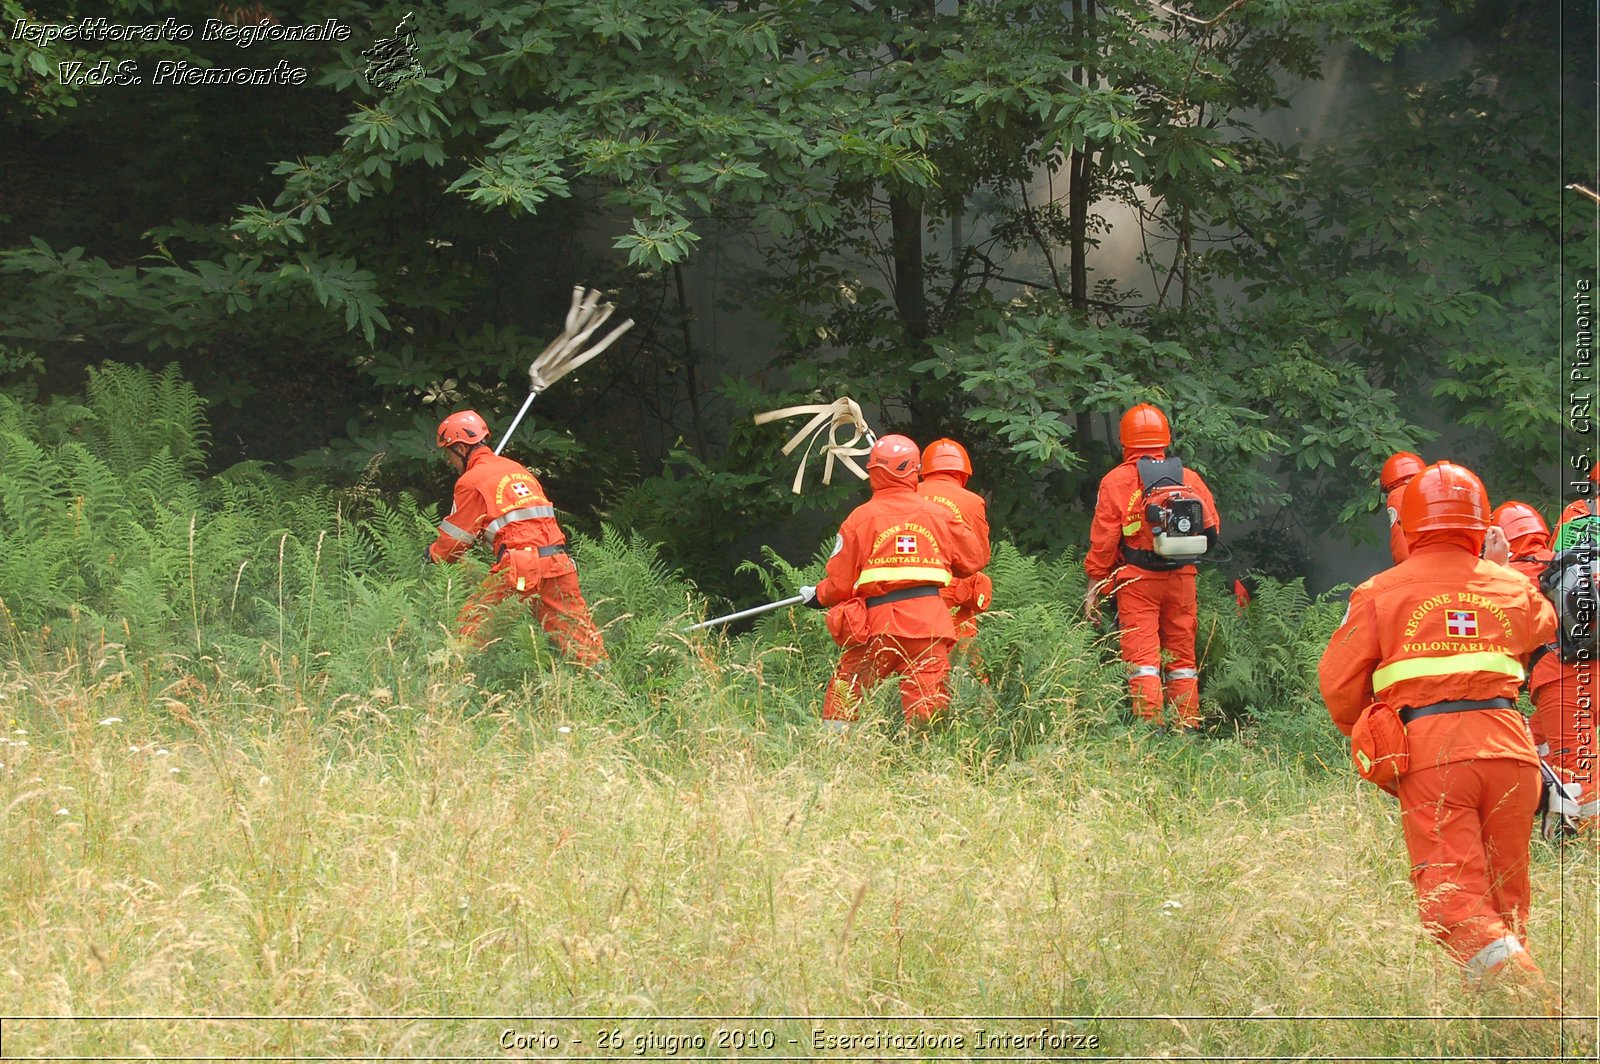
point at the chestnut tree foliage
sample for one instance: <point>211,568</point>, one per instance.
<point>926,201</point>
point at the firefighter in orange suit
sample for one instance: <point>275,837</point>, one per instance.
<point>1527,535</point>
<point>1561,686</point>
<point>894,556</point>
<point>1443,638</point>
<point>500,500</point>
<point>946,468</point>
<point>1397,473</point>
<point>1585,505</point>
<point>1155,594</point>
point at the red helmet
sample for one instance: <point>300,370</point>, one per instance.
<point>1143,427</point>
<point>1444,495</point>
<point>1400,468</point>
<point>946,456</point>
<point>464,426</point>
<point>894,460</point>
<point>1518,519</point>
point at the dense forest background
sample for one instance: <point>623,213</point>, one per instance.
<point>1316,231</point>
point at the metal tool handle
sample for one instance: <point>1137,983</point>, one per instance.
<point>754,611</point>
<point>515,421</point>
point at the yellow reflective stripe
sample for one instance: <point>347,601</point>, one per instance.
<point>1129,530</point>
<point>921,574</point>
<point>1448,665</point>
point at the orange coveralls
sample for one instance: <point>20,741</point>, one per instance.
<point>1442,627</point>
<point>1155,608</point>
<point>1563,724</point>
<point>1528,561</point>
<point>1574,509</point>
<point>896,541</point>
<point>498,498</point>
<point>967,596</point>
<point>1397,538</point>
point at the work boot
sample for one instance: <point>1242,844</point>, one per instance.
<point>1516,986</point>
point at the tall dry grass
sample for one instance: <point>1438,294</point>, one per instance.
<point>245,772</point>
<point>212,848</point>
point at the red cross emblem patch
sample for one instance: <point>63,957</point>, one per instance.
<point>1461,623</point>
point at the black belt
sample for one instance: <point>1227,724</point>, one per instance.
<point>544,552</point>
<point>1411,713</point>
<point>1151,561</point>
<point>920,591</point>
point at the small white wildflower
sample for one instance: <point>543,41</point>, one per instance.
<point>163,753</point>
<point>19,731</point>
<point>564,730</point>
<point>1169,905</point>
<point>133,749</point>
<point>263,781</point>
<point>173,771</point>
<point>63,812</point>
<point>110,721</point>
<point>19,742</point>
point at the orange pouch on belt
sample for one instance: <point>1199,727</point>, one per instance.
<point>982,592</point>
<point>847,622</point>
<point>1379,747</point>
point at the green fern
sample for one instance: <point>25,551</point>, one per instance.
<point>138,414</point>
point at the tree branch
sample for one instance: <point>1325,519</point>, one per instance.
<point>1038,237</point>
<point>1213,20</point>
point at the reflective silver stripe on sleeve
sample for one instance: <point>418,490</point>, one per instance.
<point>1182,674</point>
<point>1145,670</point>
<point>527,513</point>
<point>455,533</point>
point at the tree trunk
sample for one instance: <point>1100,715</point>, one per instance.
<point>910,283</point>
<point>691,382</point>
<point>1079,167</point>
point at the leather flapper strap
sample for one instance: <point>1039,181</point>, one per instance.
<point>827,420</point>
<point>567,352</point>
